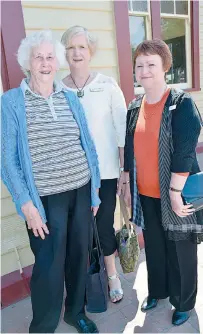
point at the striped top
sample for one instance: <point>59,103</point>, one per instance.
<point>59,162</point>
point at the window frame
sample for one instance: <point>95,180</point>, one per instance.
<point>147,17</point>
<point>121,12</point>
<point>11,36</point>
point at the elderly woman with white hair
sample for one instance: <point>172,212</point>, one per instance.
<point>50,167</point>
<point>105,109</point>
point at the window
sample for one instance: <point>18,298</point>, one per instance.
<point>174,27</point>
<point>175,31</point>
<point>139,26</point>
<point>150,13</point>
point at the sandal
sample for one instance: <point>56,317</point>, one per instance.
<point>115,293</point>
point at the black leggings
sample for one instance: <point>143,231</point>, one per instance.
<point>105,216</point>
<point>171,265</point>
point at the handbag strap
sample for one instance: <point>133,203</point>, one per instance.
<point>94,237</point>
<point>124,214</point>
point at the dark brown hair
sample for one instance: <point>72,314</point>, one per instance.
<point>155,47</point>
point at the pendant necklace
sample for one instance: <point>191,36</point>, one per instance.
<point>80,92</point>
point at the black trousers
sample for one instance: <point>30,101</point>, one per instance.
<point>105,216</point>
<point>171,265</point>
<point>63,254</point>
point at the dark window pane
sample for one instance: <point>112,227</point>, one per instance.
<point>140,6</point>
<point>137,34</point>
<point>181,7</point>
<point>173,33</point>
<point>167,7</point>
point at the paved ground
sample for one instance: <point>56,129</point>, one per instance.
<point>125,317</point>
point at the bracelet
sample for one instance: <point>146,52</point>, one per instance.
<point>126,182</point>
<point>175,190</point>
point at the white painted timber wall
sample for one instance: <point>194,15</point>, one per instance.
<point>198,96</point>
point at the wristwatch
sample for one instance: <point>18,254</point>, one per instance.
<point>121,169</point>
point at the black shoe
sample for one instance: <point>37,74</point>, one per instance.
<point>82,323</point>
<point>179,318</point>
<point>149,304</point>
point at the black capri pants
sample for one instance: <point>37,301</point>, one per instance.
<point>105,216</point>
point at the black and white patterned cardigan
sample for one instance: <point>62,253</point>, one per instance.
<point>179,131</point>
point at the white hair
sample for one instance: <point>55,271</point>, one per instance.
<point>77,30</point>
<point>36,39</point>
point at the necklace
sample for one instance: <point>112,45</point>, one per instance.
<point>80,92</point>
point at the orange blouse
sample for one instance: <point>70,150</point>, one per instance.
<point>146,153</point>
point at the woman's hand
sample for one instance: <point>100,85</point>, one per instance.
<point>124,188</point>
<point>177,205</point>
<point>34,220</point>
<point>121,184</point>
<point>127,194</point>
<point>95,209</point>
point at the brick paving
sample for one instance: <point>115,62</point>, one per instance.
<point>126,316</point>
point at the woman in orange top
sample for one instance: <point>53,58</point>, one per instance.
<point>162,132</point>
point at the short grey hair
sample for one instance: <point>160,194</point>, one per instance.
<point>35,39</point>
<point>78,30</point>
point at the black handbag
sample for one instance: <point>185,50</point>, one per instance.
<point>97,281</point>
<point>193,191</point>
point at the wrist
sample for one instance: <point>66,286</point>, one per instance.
<point>127,177</point>
<point>174,195</point>
<point>25,207</point>
<point>177,181</point>
<point>175,190</point>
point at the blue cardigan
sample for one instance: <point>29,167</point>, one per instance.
<point>16,160</point>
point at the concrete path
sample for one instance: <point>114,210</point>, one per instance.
<point>124,317</point>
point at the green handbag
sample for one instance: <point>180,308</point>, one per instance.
<point>127,241</point>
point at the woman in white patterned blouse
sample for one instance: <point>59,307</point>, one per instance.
<point>105,110</point>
